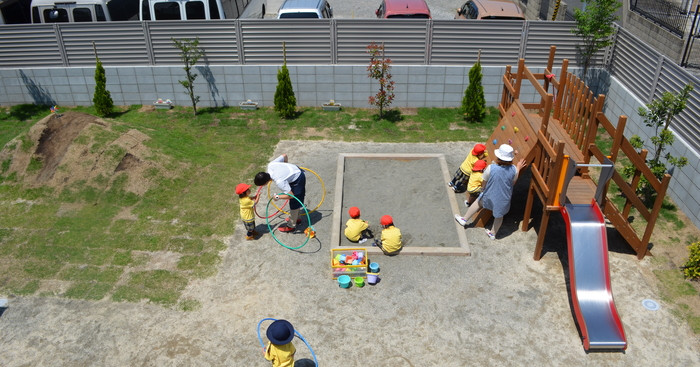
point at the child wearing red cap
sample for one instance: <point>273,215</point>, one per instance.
<point>280,350</point>
<point>476,182</point>
<point>356,229</point>
<point>390,243</point>
<point>247,203</point>
<point>461,178</point>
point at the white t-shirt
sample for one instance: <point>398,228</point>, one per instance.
<point>283,173</point>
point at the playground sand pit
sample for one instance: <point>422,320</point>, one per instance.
<point>497,307</point>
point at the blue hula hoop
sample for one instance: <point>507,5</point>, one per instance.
<point>296,333</point>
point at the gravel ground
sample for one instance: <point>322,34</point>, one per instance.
<point>496,308</point>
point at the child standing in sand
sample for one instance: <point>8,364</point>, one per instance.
<point>356,229</point>
<point>461,177</point>
<point>280,350</point>
<point>390,243</point>
<point>247,203</point>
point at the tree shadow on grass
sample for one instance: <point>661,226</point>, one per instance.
<point>390,115</point>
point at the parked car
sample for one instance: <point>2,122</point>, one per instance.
<point>305,9</point>
<point>403,9</point>
<point>490,9</point>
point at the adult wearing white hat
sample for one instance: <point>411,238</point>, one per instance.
<point>499,178</point>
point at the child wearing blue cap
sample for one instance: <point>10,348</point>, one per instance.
<point>280,349</point>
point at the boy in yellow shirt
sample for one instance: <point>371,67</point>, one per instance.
<point>247,203</point>
<point>461,178</point>
<point>390,243</point>
<point>476,182</point>
<point>280,350</point>
<point>356,229</point>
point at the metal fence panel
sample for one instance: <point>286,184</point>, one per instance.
<point>306,41</point>
<point>685,124</point>
<point>634,63</point>
<point>404,40</point>
<point>216,37</point>
<point>117,43</point>
<point>541,35</point>
<point>458,42</point>
<point>26,45</point>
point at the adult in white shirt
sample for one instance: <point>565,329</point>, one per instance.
<point>290,179</point>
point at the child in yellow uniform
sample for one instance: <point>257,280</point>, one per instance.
<point>247,203</point>
<point>356,229</point>
<point>280,350</point>
<point>461,178</point>
<point>390,243</point>
<point>476,182</point>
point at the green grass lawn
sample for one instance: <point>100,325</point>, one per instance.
<point>93,254</point>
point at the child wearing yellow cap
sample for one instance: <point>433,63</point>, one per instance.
<point>390,243</point>
<point>356,229</point>
<point>247,203</point>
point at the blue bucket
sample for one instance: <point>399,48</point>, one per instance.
<point>374,267</point>
<point>344,281</point>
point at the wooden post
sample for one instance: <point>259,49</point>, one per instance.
<point>654,215</point>
<point>635,181</point>
<point>561,88</point>
<point>617,139</point>
<point>519,78</point>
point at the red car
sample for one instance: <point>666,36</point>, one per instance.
<point>403,9</point>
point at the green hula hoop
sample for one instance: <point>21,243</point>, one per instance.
<point>269,228</point>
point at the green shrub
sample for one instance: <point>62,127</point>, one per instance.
<point>474,103</point>
<point>102,98</point>
<point>285,101</point>
<point>691,269</point>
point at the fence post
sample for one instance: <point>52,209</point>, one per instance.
<point>149,45</point>
<point>239,41</point>
<point>61,45</point>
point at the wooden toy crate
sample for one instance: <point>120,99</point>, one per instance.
<point>350,270</point>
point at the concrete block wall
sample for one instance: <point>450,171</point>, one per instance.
<point>684,188</point>
<point>665,42</point>
<point>415,85</point>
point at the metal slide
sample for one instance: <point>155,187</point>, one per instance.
<point>591,293</point>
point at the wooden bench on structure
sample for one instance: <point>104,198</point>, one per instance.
<point>553,130</point>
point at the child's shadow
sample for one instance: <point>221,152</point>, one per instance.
<point>304,362</point>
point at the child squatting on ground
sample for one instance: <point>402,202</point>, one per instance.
<point>356,229</point>
<point>247,203</point>
<point>390,243</point>
<point>461,177</point>
<point>476,182</point>
<point>500,178</point>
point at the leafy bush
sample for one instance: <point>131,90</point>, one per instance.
<point>474,103</point>
<point>691,269</point>
<point>285,101</point>
<point>102,98</point>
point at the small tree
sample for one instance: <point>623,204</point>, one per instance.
<point>285,101</point>
<point>190,53</point>
<point>595,27</point>
<point>474,103</point>
<point>658,114</point>
<point>102,99</point>
<point>379,69</point>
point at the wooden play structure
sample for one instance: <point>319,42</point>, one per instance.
<point>558,131</point>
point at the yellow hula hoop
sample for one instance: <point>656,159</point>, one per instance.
<point>323,188</point>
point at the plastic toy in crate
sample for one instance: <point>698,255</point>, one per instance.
<point>349,261</point>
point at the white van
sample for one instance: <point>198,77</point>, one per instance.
<point>305,9</point>
<point>197,9</point>
<point>61,11</point>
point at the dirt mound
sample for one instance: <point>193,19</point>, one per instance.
<point>61,150</point>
